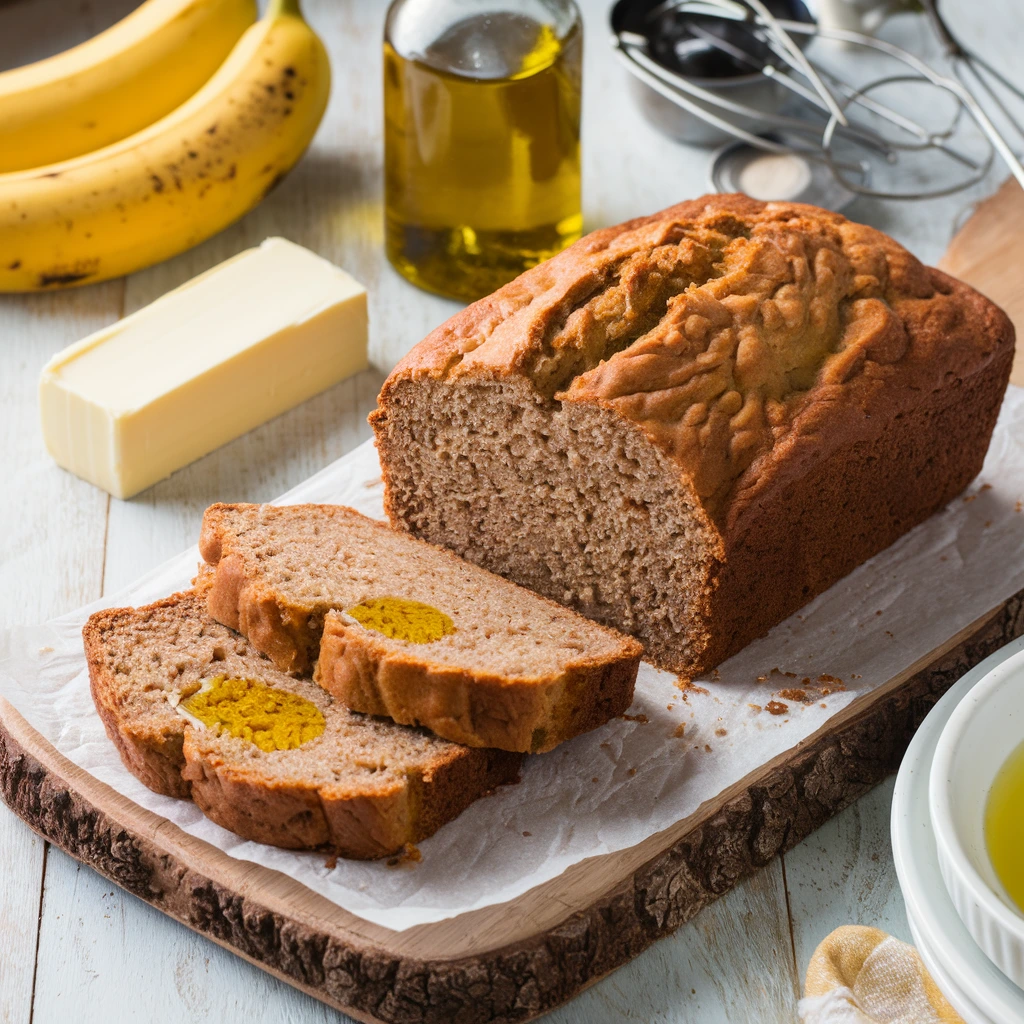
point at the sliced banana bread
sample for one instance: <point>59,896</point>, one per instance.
<point>688,425</point>
<point>409,630</point>
<point>196,712</point>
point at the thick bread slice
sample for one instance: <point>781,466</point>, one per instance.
<point>363,788</point>
<point>519,672</point>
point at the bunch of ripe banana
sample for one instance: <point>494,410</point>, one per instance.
<point>151,137</point>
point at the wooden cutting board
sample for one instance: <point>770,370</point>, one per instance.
<point>515,961</point>
<point>505,963</point>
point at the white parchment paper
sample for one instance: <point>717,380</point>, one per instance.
<point>616,786</point>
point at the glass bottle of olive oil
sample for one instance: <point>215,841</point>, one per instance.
<point>481,139</point>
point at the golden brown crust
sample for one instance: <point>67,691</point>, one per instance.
<point>468,706</point>
<point>348,822</point>
<point>345,820</point>
<point>527,714</point>
<point>842,512</point>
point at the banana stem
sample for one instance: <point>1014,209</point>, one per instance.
<point>278,7</point>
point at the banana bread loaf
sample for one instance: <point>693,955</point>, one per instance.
<point>689,425</point>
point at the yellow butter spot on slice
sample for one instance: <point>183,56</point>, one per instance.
<point>246,709</point>
<point>399,619</point>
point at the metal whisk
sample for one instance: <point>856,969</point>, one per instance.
<point>872,146</point>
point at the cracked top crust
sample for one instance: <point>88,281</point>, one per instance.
<point>745,339</point>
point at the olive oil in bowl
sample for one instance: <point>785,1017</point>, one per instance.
<point>1004,826</point>
<point>481,148</point>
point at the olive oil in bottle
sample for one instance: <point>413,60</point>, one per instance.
<point>481,144</point>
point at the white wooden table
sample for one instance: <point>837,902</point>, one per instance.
<point>73,948</point>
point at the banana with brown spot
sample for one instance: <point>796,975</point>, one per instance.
<point>174,184</point>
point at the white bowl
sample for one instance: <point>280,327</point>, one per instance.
<point>986,727</point>
<point>966,976</point>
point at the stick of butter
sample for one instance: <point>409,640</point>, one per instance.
<point>202,365</point>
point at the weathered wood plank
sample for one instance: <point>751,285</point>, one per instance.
<point>109,957</point>
<point>51,560</point>
<point>731,965</point>
<point>51,543</point>
<point>20,890</point>
<point>843,874</point>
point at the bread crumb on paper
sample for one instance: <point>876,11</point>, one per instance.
<point>409,857</point>
<point>686,686</point>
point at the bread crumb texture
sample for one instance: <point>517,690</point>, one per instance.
<point>249,710</point>
<point>401,619</point>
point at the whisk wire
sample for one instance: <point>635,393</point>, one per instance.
<point>828,94</point>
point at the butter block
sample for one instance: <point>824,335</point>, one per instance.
<point>225,352</point>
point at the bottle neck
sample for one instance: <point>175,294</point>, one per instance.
<point>482,34</point>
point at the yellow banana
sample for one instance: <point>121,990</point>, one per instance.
<point>116,83</point>
<point>169,187</point>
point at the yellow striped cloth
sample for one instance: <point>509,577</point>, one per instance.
<point>860,975</point>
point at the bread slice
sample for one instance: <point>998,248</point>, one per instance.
<point>363,788</point>
<point>513,671</point>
